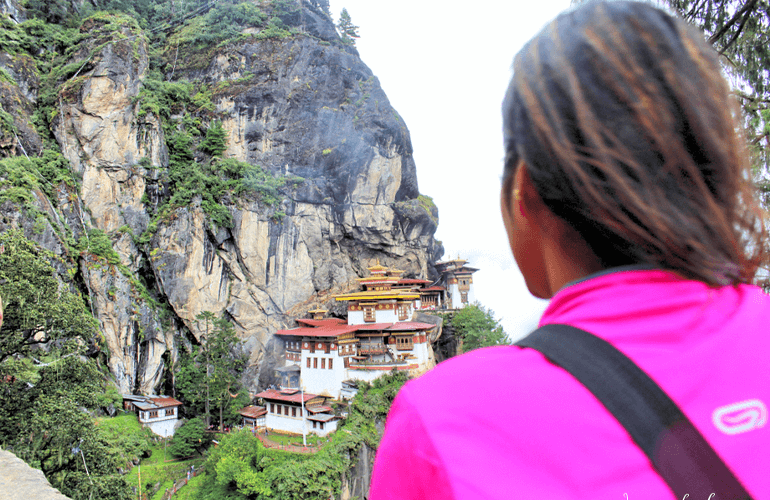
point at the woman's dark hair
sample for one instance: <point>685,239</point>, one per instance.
<point>624,121</point>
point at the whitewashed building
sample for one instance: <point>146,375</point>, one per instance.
<point>457,281</point>
<point>159,413</point>
<point>325,352</point>
<point>254,417</point>
<point>295,412</point>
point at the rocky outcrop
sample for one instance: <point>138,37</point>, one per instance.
<point>304,105</point>
<point>18,90</point>
<point>356,481</point>
<point>19,481</point>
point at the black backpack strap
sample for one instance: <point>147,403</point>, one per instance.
<point>677,451</point>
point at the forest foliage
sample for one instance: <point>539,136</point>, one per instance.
<point>51,379</point>
<point>477,327</point>
<point>209,377</point>
<point>240,467</point>
<point>54,378</point>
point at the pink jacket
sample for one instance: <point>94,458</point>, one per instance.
<point>503,423</point>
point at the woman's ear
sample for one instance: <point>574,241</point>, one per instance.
<point>548,250</point>
<point>518,201</point>
<point>524,194</point>
<point>515,189</point>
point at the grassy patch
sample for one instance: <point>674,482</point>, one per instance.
<point>159,470</point>
<point>295,439</point>
<point>188,492</point>
<point>126,437</point>
<point>426,202</point>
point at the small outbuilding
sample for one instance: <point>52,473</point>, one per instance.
<point>290,410</point>
<point>159,413</point>
<point>254,417</point>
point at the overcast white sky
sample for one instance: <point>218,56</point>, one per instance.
<point>445,67</point>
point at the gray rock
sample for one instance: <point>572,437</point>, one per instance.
<point>305,106</point>
<point>19,481</point>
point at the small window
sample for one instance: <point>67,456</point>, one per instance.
<point>308,362</point>
<point>330,363</point>
<point>272,407</point>
<point>170,411</point>
<point>315,362</point>
<point>369,315</point>
<point>346,362</point>
<point>293,411</point>
<point>322,425</point>
<point>323,363</point>
<point>314,422</point>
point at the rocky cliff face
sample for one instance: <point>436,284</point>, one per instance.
<point>302,105</point>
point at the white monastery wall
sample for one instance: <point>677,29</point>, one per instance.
<point>329,427</point>
<point>385,316</point>
<point>284,422</point>
<point>421,353</point>
<point>163,428</point>
<point>366,375</point>
<point>322,381</point>
<point>356,318</point>
<point>454,293</point>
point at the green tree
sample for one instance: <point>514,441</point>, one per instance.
<point>188,439</point>
<point>44,419</point>
<point>347,30</point>
<point>477,327</point>
<point>48,384</point>
<point>210,376</point>
<point>38,309</point>
<point>215,141</point>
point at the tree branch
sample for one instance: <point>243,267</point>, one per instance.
<point>692,11</point>
<point>738,15</point>
<point>737,33</point>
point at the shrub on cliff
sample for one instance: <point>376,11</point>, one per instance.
<point>188,439</point>
<point>477,327</point>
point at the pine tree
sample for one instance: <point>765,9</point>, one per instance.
<point>348,31</point>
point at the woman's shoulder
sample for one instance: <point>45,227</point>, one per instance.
<point>499,376</point>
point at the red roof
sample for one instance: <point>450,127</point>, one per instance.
<point>252,411</point>
<point>291,398</point>
<point>432,289</point>
<point>321,331</point>
<point>164,402</point>
<point>373,326</point>
<point>319,409</point>
<point>321,322</point>
<point>409,325</point>
<point>411,281</point>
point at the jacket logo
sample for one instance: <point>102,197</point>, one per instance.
<point>740,417</point>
